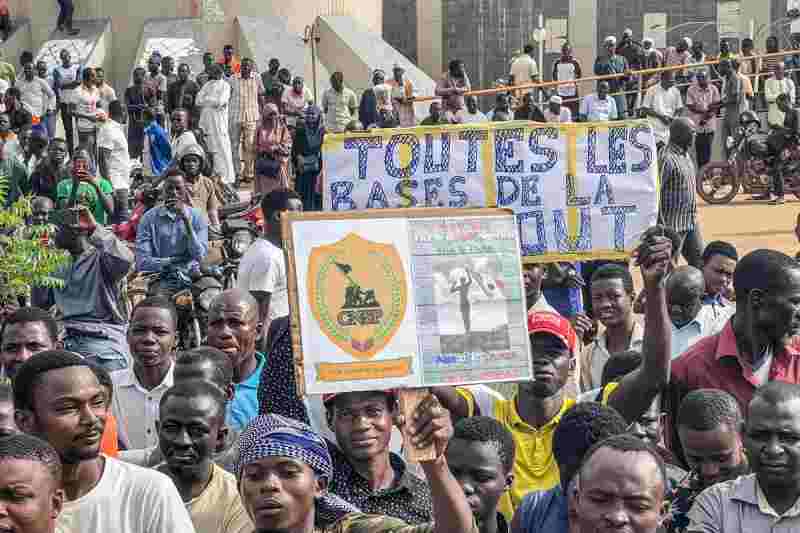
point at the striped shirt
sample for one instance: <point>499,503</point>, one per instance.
<point>244,98</point>
<point>678,209</point>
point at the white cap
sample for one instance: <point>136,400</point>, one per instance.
<point>647,40</point>
<point>628,32</point>
<point>555,99</point>
<point>610,40</point>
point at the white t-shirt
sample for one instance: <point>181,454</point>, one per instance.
<point>667,102</point>
<point>127,499</point>
<point>85,101</point>
<point>112,137</point>
<point>263,268</point>
<point>523,69</point>
<point>67,75</point>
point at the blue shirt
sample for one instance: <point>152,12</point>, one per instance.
<point>160,149</point>
<point>244,406</point>
<point>162,242</point>
<point>544,511</point>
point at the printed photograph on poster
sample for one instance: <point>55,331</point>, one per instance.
<point>471,268</point>
<point>404,299</point>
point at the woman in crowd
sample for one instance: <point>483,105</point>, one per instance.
<point>273,146</point>
<point>307,155</point>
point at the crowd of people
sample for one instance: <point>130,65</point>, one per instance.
<point>676,409</point>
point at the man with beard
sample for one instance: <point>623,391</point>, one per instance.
<point>481,458</point>
<point>191,427</point>
<point>767,499</point>
<point>757,345</point>
<point>710,428</point>
<point>30,485</point>
<point>59,398</point>
<point>152,340</point>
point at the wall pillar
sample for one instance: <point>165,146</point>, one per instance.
<point>430,48</point>
<point>582,30</point>
<point>760,13</point>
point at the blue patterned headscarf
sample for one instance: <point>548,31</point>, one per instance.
<point>278,436</point>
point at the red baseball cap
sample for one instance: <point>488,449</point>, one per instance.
<point>554,324</point>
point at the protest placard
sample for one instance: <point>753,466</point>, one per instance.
<point>404,298</point>
<point>579,191</point>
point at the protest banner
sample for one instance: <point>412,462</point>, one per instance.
<point>579,191</point>
<point>406,298</point>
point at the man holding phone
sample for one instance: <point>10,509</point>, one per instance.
<point>172,239</point>
<point>86,188</point>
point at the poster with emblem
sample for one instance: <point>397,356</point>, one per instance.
<point>406,298</point>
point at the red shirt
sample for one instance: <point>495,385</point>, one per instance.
<point>715,363</point>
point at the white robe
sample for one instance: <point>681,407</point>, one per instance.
<point>213,99</point>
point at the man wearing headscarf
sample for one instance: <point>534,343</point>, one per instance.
<point>213,99</point>
<point>284,469</point>
<point>307,157</point>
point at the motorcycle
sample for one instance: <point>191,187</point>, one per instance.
<point>748,167</point>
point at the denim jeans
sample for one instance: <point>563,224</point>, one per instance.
<point>106,353</point>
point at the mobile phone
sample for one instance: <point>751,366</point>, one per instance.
<point>72,216</point>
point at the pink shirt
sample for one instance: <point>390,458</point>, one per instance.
<point>702,98</point>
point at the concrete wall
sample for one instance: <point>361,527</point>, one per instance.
<point>18,41</point>
<point>430,45</point>
<point>129,16</point>
<point>102,55</point>
<point>264,38</point>
<point>297,15</point>
<point>400,26</point>
<point>355,51</point>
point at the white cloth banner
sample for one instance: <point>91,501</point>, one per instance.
<point>579,191</point>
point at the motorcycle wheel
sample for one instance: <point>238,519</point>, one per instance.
<point>718,183</point>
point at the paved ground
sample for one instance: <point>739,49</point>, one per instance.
<point>751,225</point>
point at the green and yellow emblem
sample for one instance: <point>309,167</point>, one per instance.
<point>357,293</point>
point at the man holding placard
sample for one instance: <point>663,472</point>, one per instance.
<point>535,412</point>
<point>365,472</point>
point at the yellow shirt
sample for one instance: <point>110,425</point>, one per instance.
<point>219,508</point>
<point>535,467</point>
